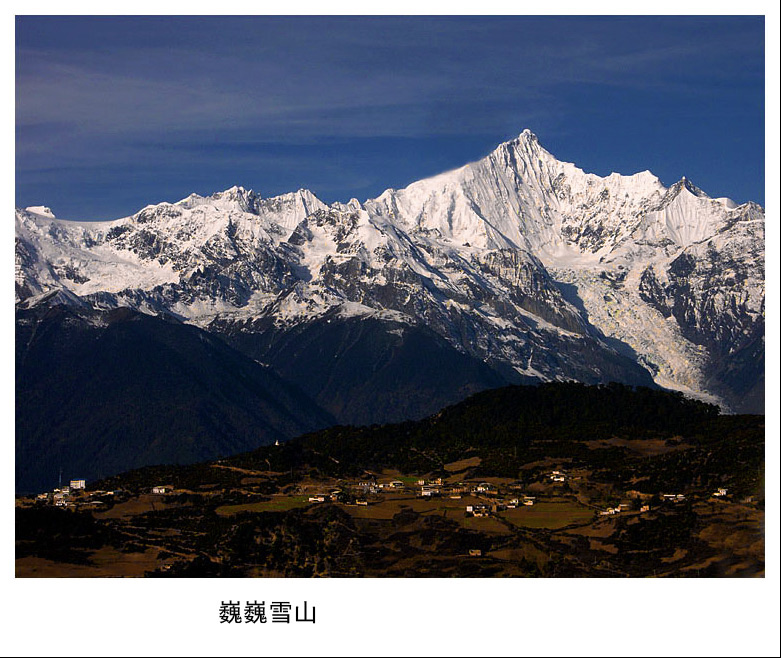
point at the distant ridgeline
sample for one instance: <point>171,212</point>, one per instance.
<point>510,427</point>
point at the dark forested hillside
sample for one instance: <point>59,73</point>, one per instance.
<point>98,393</point>
<point>514,424</point>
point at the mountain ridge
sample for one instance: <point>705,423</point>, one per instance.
<point>518,260</point>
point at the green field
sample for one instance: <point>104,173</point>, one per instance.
<point>278,504</point>
<point>549,515</point>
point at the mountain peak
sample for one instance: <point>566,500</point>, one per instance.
<point>526,145</point>
<point>686,184</point>
<point>674,191</point>
<point>247,200</point>
<point>232,193</point>
<point>528,136</point>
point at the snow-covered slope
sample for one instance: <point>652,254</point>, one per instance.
<point>524,262</point>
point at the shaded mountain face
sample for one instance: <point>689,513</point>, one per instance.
<point>362,370</point>
<point>98,392</point>
<point>368,370</point>
<point>519,262</point>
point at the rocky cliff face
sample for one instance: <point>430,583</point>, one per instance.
<point>519,262</point>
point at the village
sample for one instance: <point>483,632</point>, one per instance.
<point>485,498</point>
<point>75,495</point>
<point>162,519</point>
<point>554,499</point>
<point>479,499</point>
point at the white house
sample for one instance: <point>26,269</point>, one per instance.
<point>478,510</point>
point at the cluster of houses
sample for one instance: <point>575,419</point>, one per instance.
<point>429,488</point>
<point>370,486</point>
<point>558,476</point>
<point>455,491</point>
<point>498,505</point>
<point>76,495</point>
<point>62,496</point>
<point>73,495</point>
<point>482,489</point>
<point>357,493</point>
<point>668,498</point>
<point>622,507</point>
<point>435,487</point>
<point>424,488</point>
<point>323,497</point>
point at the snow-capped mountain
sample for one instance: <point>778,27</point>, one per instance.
<point>519,262</point>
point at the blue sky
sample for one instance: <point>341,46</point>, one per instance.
<point>113,113</point>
